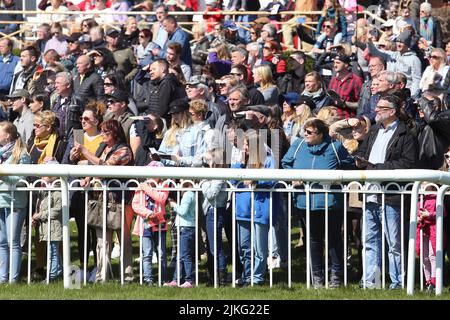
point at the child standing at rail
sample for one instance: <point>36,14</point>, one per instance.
<point>426,221</point>
<point>49,211</point>
<point>149,204</point>
<point>185,220</point>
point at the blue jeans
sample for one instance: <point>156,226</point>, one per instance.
<point>55,261</point>
<point>260,244</point>
<point>150,243</point>
<point>222,265</point>
<point>373,240</point>
<point>187,246</point>
<point>17,219</point>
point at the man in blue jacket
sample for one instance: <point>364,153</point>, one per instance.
<point>8,63</point>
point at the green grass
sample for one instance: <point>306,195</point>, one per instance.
<point>114,291</point>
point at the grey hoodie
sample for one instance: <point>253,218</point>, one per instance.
<point>407,63</point>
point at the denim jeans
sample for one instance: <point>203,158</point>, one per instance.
<point>17,219</point>
<point>55,260</point>
<point>373,239</point>
<point>260,244</point>
<point>150,243</point>
<point>221,263</point>
<point>335,241</point>
<point>187,249</point>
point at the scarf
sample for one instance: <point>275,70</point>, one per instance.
<point>313,95</point>
<point>426,28</point>
<point>48,144</point>
<point>6,151</point>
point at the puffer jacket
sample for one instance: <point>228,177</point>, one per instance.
<point>328,155</point>
<point>55,215</point>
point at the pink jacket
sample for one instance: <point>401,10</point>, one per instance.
<point>139,206</point>
<point>428,224</point>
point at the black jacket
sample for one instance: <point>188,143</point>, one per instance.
<point>402,150</point>
<point>90,88</point>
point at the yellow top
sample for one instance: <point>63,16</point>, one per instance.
<point>91,143</point>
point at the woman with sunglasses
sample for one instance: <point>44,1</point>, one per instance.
<point>113,151</point>
<point>436,72</point>
<point>143,50</point>
<point>319,152</point>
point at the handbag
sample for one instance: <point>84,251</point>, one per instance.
<point>113,212</point>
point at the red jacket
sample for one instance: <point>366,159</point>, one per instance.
<point>428,225</point>
<point>139,206</point>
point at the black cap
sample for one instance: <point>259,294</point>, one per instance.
<point>261,108</point>
<point>117,95</point>
<point>111,32</point>
<point>342,57</point>
<point>74,37</point>
<point>179,105</point>
<point>306,100</point>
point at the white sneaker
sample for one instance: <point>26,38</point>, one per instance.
<point>273,262</point>
<point>115,254</point>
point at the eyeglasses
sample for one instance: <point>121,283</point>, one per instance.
<point>268,48</point>
<point>191,86</point>
<point>310,132</point>
<point>38,126</point>
<point>435,57</point>
<point>108,102</point>
<point>447,156</point>
<point>104,132</point>
<point>328,26</point>
<point>85,119</point>
<point>108,84</point>
<point>221,84</point>
<point>383,108</point>
<point>381,46</point>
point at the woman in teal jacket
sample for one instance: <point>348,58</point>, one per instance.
<point>318,151</point>
<point>13,204</point>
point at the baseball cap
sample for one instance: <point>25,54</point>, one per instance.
<point>197,80</point>
<point>111,32</point>
<point>230,25</point>
<point>117,95</point>
<point>261,108</point>
<point>19,93</point>
<point>342,57</point>
<point>306,100</point>
<point>178,105</point>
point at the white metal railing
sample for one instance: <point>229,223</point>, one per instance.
<point>66,172</point>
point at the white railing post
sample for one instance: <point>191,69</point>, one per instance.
<point>439,238</point>
<point>412,238</point>
<point>66,232</point>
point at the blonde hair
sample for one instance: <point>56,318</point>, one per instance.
<point>186,122</point>
<point>325,115</point>
<point>265,73</point>
<point>256,158</point>
<point>301,119</point>
<point>199,106</point>
<point>46,118</point>
<point>19,147</point>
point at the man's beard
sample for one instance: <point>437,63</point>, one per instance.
<point>379,118</point>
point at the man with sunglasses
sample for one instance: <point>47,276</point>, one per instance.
<point>330,37</point>
<point>58,41</point>
<point>389,145</point>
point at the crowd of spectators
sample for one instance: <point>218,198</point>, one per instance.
<point>118,89</point>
